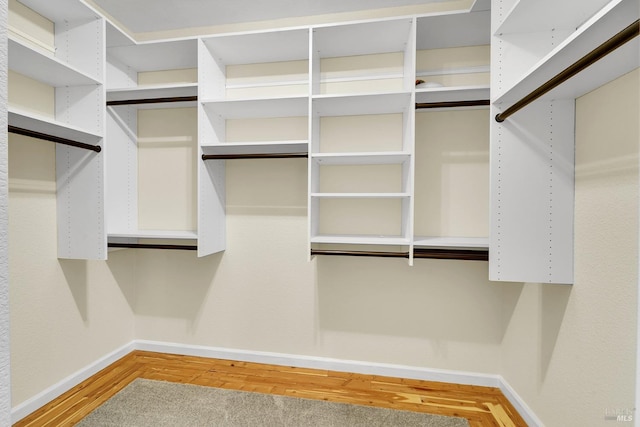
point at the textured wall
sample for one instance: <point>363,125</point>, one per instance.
<point>5,401</point>
<point>570,352</point>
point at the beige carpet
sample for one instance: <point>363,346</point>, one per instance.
<point>158,403</point>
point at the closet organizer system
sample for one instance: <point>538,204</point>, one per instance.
<point>534,57</point>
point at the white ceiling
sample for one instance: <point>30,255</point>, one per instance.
<point>140,16</point>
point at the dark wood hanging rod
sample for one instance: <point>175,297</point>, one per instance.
<point>360,253</point>
<point>452,104</point>
<point>153,100</point>
<point>595,55</point>
<point>460,254</point>
<point>53,138</point>
<point>152,246</point>
<point>254,156</point>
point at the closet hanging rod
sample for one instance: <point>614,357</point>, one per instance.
<point>254,156</point>
<point>436,253</point>
<point>596,54</point>
<point>459,254</point>
<point>152,246</point>
<point>53,138</point>
<point>452,104</point>
<point>153,100</point>
<point>359,253</point>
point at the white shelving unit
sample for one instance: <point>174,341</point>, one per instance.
<point>453,60</point>
<point>74,67</point>
<point>532,219</point>
<point>366,88</point>
<point>127,61</point>
<point>245,76</point>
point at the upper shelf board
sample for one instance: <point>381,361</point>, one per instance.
<point>47,69</point>
<point>150,92</point>
<point>258,108</point>
<point>272,147</point>
<point>362,38</point>
<point>452,242</point>
<point>452,94</point>
<point>61,10</point>
<point>157,56</point>
<point>260,47</point>
<point>364,158</point>
<point>529,16</point>
<point>454,30</point>
<point>354,105</point>
<point>46,125</point>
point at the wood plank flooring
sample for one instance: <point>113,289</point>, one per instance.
<point>481,406</point>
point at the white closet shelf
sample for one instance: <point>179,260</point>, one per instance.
<point>259,47</point>
<point>599,28</point>
<point>61,10</point>
<point>258,108</point>
<point>449,71</point>
<point>171,55</point>
<point>351,39</point>
<point>364,158</point>
<point>154,234</point>
<point>43,124</point>
<point>453,29</point>
<point>451,242</point>
<point>155,91</point>
<point>357,239</point>
<point>257,147</point>
<point>41,66</point>
<point>452,94</point>
<point>544,15</point>
<point>360,195</point>
<point>351,105</point>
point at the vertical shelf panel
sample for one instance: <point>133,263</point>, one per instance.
<point>80,203</point>
<point>532,194</point>
<point>122,163</point>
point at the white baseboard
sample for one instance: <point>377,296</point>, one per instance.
<point>282,359</point>
<point>39,400</point>
<point>523,409</point>
<point>300,361</point>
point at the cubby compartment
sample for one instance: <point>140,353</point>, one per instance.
<point>361,219</point>
<point>452,179</point>
<point>152,149</point>
<point>256,65</point>
<point>363,58</point>
<point>452,57</point>
<point>161,74</point>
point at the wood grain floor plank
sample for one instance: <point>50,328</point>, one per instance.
<point>481,406</point>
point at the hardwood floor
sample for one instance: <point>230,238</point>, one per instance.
<point>481,406</point>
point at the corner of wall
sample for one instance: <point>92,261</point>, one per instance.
<point>5,390</point>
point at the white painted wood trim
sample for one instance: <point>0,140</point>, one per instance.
<point>523,409</point>
<point>315,362</point>
<point>25,408</point>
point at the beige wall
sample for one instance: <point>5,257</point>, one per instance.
<point>65,314</point>
<point>570,352</point>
